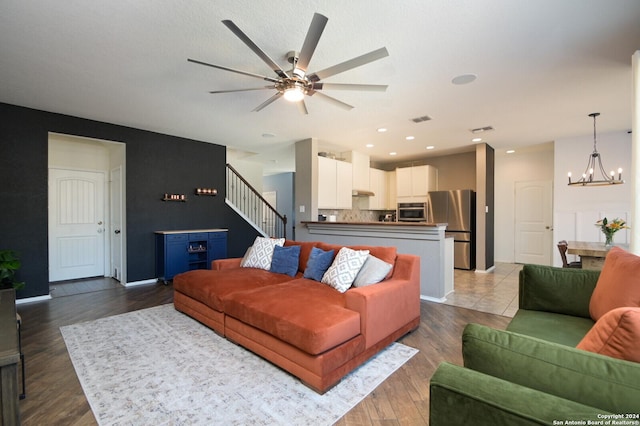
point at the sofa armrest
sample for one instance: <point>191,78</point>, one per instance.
<point>559,290</point>
<point>230,263</point>
<point>460,396</point>
<point>595,380</point>
<point>389,305</point>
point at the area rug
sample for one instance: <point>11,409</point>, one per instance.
<point>158,366</point>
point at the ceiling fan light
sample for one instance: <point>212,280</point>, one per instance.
<point>294,94</point>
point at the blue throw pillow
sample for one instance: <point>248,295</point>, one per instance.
<point>318,263</point>
<point>285,260</point>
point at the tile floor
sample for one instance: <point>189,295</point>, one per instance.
<point>495,292</point>
<point>86,285</point>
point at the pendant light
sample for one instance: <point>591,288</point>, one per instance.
<point>594,165</point>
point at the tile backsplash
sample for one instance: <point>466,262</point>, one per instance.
<point>354,215</point>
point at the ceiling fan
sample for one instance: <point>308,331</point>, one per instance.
<point>295,84</point>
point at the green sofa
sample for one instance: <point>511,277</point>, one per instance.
<point>532,374</point>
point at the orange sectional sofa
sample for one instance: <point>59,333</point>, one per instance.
<point>306,327</point>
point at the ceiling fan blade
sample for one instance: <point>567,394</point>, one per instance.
<point>302,107</point>
<point>360,87</point>
<point>310,42</point>
<point>350,64</point>
<point>242,36</point>
<point>333,101</point>
<point>267,102</point>
<point>242,90</point>
<point>261,77</point>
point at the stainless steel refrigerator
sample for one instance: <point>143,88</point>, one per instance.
<point>456,208</point>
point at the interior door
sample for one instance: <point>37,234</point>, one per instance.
<point>533,222</point>
<point>76,224</point>
<point>116,223</point>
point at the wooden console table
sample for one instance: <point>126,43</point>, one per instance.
<point>591,254</point>
<point>9,358</point>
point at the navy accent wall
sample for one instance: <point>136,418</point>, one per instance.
<point>155,164</point>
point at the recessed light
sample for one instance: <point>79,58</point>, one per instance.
<point>464,79</point>
<point>268,135</point>
<point>511,151</point>
<point>410,138</point>
<point>393,153</point>
<point>476,140</point>
<point>369,145</point>
<point>382,130</point>
<point>431,147</point>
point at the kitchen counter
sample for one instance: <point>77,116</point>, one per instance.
<point>426,240</point>
<point>432,225</point>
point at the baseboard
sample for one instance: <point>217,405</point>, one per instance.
<point>143,282</point>
<point>33,299</point>
<point>485,271</point>
<point>433,299</point>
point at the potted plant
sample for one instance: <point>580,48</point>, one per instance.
<point>9,264</point>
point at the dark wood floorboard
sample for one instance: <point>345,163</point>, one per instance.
<point>55,397</point>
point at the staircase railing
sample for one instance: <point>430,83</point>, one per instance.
<point>255,209</point>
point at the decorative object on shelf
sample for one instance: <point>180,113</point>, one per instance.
<point>587,178</point>
<point>9,264</point>
<point>174,197</point>
<point>207,191</point>
<point>609,228</point>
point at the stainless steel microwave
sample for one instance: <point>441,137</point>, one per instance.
<point>412,212</point>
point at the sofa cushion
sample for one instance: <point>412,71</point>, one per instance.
<point>591,379</point>
<point>259,255</point>
<point>373,271</point>
<point>616,334</point>
<point>305,252</point>
<point>210,287</point>
<point>319,262</point>
<point>344,268</point>
<point>285,260</point>
<point>618,285</point>
<point>304,313</point>
<point>558,328</point>
<point>387,254</point>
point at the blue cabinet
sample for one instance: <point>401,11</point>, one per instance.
<point>180,251</point>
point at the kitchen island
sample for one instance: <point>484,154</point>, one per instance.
<point>426,240</point>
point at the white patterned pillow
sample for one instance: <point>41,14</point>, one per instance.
<point>344,268</point>
<point>260,254</point>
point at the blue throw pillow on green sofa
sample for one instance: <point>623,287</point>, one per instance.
<point>285,260</point>
<point>318,263</point>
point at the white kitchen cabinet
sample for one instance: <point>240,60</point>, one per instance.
<point>360,164</point>
<point>415,182</point>
<point>392,192</point>
<point>378,185</point>
<point>334,184</point>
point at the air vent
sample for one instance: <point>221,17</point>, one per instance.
<point>481,129</point>
<point>421,119</point>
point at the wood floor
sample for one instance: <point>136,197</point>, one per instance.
<point>55,397</point>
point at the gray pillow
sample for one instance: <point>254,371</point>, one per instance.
<point>373,271</point>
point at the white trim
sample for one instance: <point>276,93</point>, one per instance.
<point>433,299</point>
<point>143,282</point>
<point>33,299</point>
<point>485,271</point>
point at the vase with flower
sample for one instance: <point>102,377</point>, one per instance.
<point>609,228</point>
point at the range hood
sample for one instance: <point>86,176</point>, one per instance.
<point>362,193</point>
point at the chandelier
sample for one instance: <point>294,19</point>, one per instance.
<point>595,165</point>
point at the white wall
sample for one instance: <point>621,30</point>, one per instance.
<point>577,208</point>
<point>252,171</point>
<point>528,164</point>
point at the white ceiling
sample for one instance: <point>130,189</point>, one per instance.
<point>542,67</point>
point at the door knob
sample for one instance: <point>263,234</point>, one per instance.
<point>117,231</point>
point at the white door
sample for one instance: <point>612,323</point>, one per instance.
<point>116,223</point>
<point>76,224</point>
<point>533,222</point>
